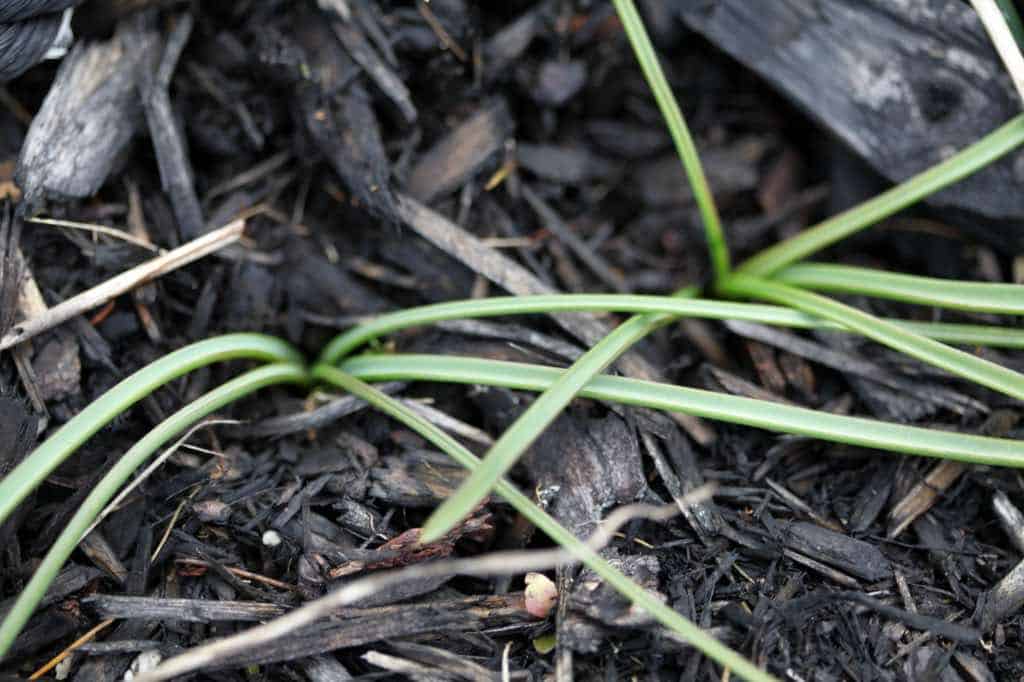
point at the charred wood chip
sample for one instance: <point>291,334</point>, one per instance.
<point>345,128</point>
<point>557,82</point>
<point>856,557</point>
<point>72,579</point>
<point>176,174</point>
<point>58,367</point>
<point>12,267</point>
<point>314,283</point>
<point>589,465</point>
<point>873,496</point>
<point>183,610</point>
<point>358,518</point>
<point>931,662</point>
<point>360,627</point>
<point>414,480</point>
<point>26,42</point>
<point>594,606</point>
<point>567,165</point>
<point>1004,600</point>
<point>508,44</point>
<point>17,431</point>
<point>866,71</point>
<point>90,114</point>
<point>731,170</point>
<point>627,140</point>
<point>797,611</point>
<point>462,153</point>
<point>46,628</point>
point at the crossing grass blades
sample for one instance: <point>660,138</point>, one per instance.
<point>776,287</point>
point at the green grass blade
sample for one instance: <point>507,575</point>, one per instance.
<point>544,410</point>
<point>987,297</point>
<point>48,456</point>
<point>966,334</point>
<point>999,142</point>
<point>687,150</point>
<point>108,486</point>
<point>950,359</point>
<point>343,344</point>
<point>697,637</point>
<point>760,414</point>
<point>347,342</point>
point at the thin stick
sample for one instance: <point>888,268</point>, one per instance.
<point>497,563</point>
<point>1003,40</point>
<point>98,229</point>
<point>126,281</point>
<point>87,637</point>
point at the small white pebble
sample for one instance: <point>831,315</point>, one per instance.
<point>145,662</point>
<point>271,538</point>
<point>63,669</point>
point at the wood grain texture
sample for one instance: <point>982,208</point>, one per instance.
<point>903,84</point>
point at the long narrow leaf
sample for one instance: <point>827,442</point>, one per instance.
<point>680,133</point>
<point>999,142</point>
<point>108,486</point>
<point>668,617</point>
<point>58,447</point>
<point>942,293</point>
<point>528,427</point>
<point>345,343</point>
<point>760,414</point>
<point>926,350</point>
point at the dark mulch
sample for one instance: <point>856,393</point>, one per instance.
<point>528,124</point>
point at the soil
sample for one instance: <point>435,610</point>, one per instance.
<point>365,153</point>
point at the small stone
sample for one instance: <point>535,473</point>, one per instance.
<point>145,662</point>
<point>271,538</point>
<point>212,511</point>
<point>541,595</point>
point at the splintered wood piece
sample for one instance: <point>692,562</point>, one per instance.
<point>1011,518</point>
<point>1003,600</point>
<point>126,281</point>
<point>923,496</point>
<point>30,305</point>
<point>181,610</point>
<point>90,114</point>
<point>359,627</point>
<point>168,141</point>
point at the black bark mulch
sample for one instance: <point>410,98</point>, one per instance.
<point>345,132</point>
